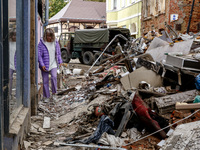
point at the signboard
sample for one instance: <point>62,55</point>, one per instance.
<point>173,17</point>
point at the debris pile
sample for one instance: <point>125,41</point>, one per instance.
<point>140,98</point>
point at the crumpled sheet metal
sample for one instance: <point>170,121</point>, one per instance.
<point>158,53</point>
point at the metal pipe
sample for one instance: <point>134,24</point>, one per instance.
<point>92,146</point>
<point>118,35</point>
<point>188,28</point>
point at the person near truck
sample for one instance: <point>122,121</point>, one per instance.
<point>49,58</point>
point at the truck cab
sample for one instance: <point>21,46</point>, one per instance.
<point>66,45</point>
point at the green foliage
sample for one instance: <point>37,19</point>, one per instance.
<point>55,6</point>
<point>97,0</point>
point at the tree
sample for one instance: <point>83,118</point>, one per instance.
<point>97,0</point>
<point>55,6</point>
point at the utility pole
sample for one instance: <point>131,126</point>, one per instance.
<point>188,28</point>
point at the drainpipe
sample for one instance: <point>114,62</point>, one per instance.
<point>188,28</point>
<point>46,13</point>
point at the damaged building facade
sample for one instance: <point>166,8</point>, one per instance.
<point>159,13</point>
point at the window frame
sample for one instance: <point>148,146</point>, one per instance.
<point>23,58</point>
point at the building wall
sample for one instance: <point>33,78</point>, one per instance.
<point>125,14</point>
<point>65,27</point>
<point>183,8</point>
<point>18,124</point>
<point>154,15</point>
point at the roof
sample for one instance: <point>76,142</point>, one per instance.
<point>81,11</point>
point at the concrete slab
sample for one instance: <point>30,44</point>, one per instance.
<point>183,139</point>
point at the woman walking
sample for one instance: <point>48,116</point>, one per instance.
<point>49,57</point>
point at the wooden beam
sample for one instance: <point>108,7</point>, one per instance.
<point>32,61</point>
<point>187,105</point>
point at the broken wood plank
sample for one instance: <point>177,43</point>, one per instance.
<point>151,92</point>
<point>167,103</point>
<point>67,91</point>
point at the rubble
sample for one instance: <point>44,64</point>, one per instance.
<point>130,101</point>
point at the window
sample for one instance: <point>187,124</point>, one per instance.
<point>14,102</point>
<point>17,66</point>
<point>178,27</point>
<point>161,6</point>
<point>55,29</point>
<point>145,8</point>
<point>123,3</point>
<point>153,7</point>
<point>114,4</point>
<point>133,1</point>
<point>133,28</point>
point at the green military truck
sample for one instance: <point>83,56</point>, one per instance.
<point>87,44</point>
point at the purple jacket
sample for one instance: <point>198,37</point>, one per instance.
<point>43,54</point>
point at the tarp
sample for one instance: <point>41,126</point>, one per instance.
<point>99,35</point>
<point>91,36</point>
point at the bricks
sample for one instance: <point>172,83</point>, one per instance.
<point>180,7</point>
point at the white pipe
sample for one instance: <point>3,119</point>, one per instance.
<point>118,35</point>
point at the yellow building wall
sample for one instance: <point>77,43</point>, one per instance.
<point>125,16</point>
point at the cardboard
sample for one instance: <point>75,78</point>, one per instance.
<point>133,79</point>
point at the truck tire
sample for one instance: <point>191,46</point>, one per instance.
<point>88,58</point>
<point>96,55</point>
<point>81,60</point>
<point>65,56</point>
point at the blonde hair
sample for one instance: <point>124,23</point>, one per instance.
<point>51,31</point>
<point>12,32</point>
